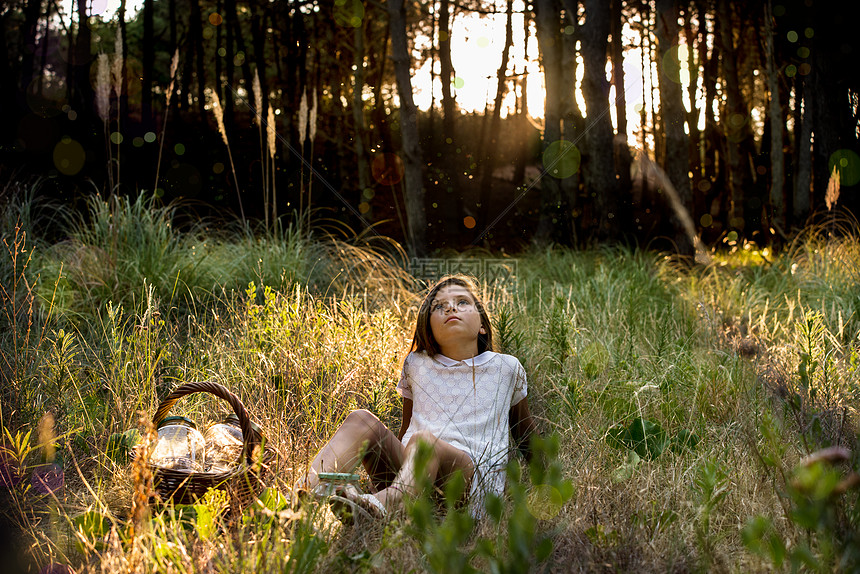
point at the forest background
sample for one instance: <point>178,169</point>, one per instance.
<point>102,104</point>
<point>234,192</point>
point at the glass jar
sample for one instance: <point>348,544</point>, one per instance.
<point>180,445</point>
<point>224,444</point>
<point>330,482</point>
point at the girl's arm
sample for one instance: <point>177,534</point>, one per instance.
<point>522,426</point>
<point>407,418</point>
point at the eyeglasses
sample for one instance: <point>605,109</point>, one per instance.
<point>460,305</point>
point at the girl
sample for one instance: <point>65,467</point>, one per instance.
<point>459,398</point>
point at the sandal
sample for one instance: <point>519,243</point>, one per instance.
<point>348,503</point>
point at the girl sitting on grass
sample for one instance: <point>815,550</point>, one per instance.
<point>459,398</point>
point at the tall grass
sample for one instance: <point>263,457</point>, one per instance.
<point>683,399</point>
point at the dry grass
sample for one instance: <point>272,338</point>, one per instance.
<point>312,330</point>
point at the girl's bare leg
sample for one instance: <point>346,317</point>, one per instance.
<point>361,438</point>
<point>444,461</point>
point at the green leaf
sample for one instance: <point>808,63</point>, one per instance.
<point>205,524</point>
<point>649,438</point>
<point>618,437</point>
<point>273,499</point>
<point>626,470</point>
<point>94,526</point>
<point>684,439</point>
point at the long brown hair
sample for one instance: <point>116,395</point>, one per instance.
<point>423,339</point>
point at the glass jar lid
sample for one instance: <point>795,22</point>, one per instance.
<point>177,420</point>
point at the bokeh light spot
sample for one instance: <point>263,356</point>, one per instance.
<point>69,156</point>
<point>218,168</point>
<point>348,13</point>
<point>137,142</point>
<point>848,164</point>
<point>791,70</point>
<point>459,82</point>
<point>809,32</point>
<point>98,7</point>
<point>149,137</point>
<point>569,30</point>
<point>672,64</point>
<point>544,502</point>
<point>368,193</point>
<point>792,36</point>
<point>469,222</point>
<point>706,220</point>
<point>215,19</point>
<point>561,159</point>
<point>222,51</point>
<point>483,42</point>
<point>704,185</point>
<point>179,149</point>
<point>363,207</point>
<point>387,168</point>
<point>732,236</point>
<point>115,138</point>
<point>805,69</point>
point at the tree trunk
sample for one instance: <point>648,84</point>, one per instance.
<point>572,122</point>
<point>777,159</point>
<point>148,62</point>
<point>229,57</point>
<point>450,160</point>
<point>547,14</point>
<point>488,163</point>
<point>258,42</point>
<point>622,148</point>
<point>32,13</point>
<point>83,91</point>
<point>412,160</point>
<point>10,92</point>
<point>600,169</point>
<point>122,104</point>
<point>677,154</point>
<point>831,102</point>
<point>522,111</point>
<point>359,130</point>
<point>616,24</point>
<point>803,137</point>
<point>735,120</point>
<point>697,49</point>
<point>239,39</point>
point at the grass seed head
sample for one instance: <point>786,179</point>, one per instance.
<point>103,85</point>
<point>271,132</point>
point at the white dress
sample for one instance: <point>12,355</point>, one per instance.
<point>466,404</point>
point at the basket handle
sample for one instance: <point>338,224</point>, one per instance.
<point>250,436</point>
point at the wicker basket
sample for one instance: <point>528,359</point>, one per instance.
<point>241,483</point>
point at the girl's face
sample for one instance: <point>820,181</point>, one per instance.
<point>455,322</point>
